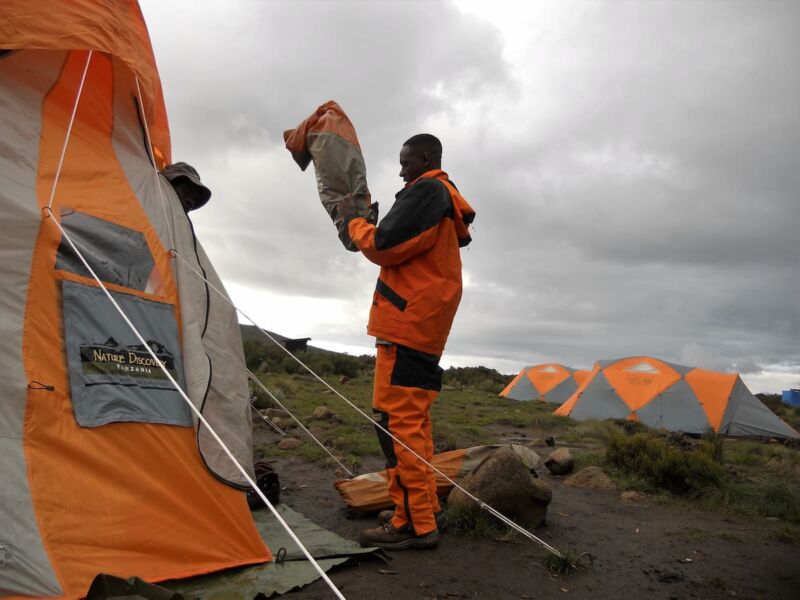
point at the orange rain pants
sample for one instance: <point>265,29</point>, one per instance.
<point>406,383</point>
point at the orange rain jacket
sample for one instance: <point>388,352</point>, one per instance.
<point>417,247</point>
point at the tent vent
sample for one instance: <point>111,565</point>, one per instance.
<point>548,369</point>
<point>643,367</point>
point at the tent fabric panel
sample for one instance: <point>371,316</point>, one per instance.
<point>213,354</point>
<point>148,527</point>
<point>118,255</point>
<point>25,568</point>
<point>546,377</point>
<point>581,375</point>
<point>112,377</point>
<point>675,409</point>
<point>747,416</point>
<point>560,393</point>
<point>525,390</point>
<point>637,388</point>
<point>713,391</point>
<point>682,370</point>
<point>512,383</point>
<point>116,28</point>
<point>599,400</point>
<point>26,78</point>
<point>566,408</point>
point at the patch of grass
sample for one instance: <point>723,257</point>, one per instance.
<point>592,431</point>
<point>583,459</point>
<point>570,562</point>
<point>533,417</point>
<point>653,458</point>
<point>777,500</point>
<point>776,458</point>
<point>787,534</point>
<point>472,522</point>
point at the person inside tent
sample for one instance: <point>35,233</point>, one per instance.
<point>417,294</point>
<point>186,182</point>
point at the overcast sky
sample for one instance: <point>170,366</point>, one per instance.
<point>635,168</point>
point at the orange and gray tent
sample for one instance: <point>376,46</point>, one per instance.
<point>673,397</point>
<point>370,492</point>
<point>548,382</point>
<point>104,467</point>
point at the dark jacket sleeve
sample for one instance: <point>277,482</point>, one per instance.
<point>410,228</point>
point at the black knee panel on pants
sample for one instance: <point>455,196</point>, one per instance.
<point>387,445</point>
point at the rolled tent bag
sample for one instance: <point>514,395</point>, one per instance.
<point>329,139</point>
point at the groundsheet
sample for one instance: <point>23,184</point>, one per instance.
<point>289,570</point>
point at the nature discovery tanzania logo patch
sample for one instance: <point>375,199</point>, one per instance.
<point>115,360</point>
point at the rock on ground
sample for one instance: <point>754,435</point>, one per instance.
<point>502,481</point>
<point>560,462</point>
<point>323,413</point>
<point>289,443</point>
<point>273,413</point>
<point>631,496</point>
<point>592,478</point>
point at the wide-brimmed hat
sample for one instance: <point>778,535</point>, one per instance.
<point>180,170</point>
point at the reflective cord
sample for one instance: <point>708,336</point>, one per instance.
<point>479,502</point>
<point>303,427</point>
<point>69,130</point>
<point>143,115</point>
<point>194,409</point>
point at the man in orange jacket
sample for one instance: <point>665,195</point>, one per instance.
<point>417,245</point>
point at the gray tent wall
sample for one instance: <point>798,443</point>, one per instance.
<point>747,416</point>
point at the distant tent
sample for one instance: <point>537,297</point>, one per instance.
<point>548,382</point>
<point>673,397</point>
<point>104,469</point>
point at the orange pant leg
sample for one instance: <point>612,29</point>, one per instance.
<point>406,383</point>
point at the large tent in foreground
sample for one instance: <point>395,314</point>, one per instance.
<point>673,397</point>
<point>548,382</point>
<point>104,467</point>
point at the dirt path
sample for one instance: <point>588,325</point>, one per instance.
<point>662,552</point>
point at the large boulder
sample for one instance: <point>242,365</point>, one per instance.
<point>592,478</point>
<point>502,481</point>
<point>559,462</point>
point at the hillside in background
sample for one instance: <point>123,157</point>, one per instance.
<point>264,356</point>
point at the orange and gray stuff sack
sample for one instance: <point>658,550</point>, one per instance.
<point>329,139</point>
<point>370,492</point>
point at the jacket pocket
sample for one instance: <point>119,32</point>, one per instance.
<point>393,297</point>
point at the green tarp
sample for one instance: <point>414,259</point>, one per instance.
<point>289,570</point>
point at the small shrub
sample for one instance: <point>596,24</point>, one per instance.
<point>472,522</point>
<point>651,457</point>
<point>569,562</point>
<point>260,399</point>
<point>780,502</point>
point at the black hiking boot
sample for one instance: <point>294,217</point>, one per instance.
<point>389,538</point>
<point>386,515</point>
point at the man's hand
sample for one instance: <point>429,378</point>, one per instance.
<point>372,214</point>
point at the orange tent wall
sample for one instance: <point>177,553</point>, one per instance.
<point>125,498</point>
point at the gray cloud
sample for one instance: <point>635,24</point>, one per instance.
<point>635,172</point>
